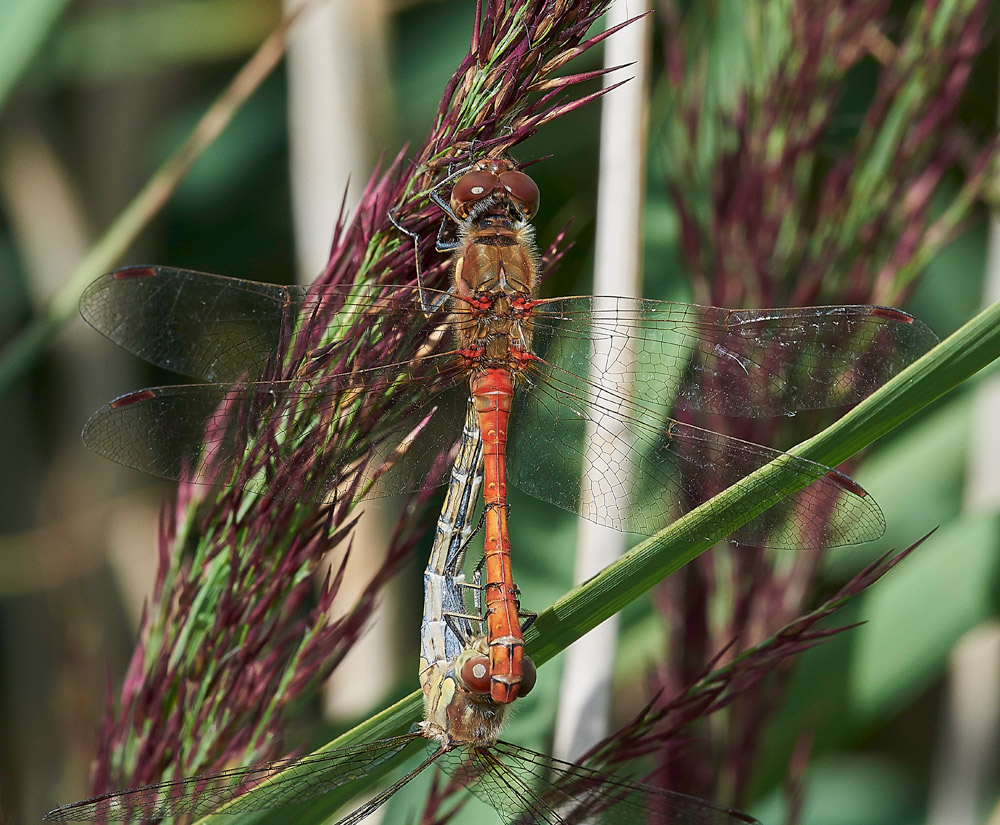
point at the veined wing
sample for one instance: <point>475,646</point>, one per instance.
<point>738,362</point>
<point>529,788</point>
<point>274,784</point>
<point>641,476</point>
<point>226,329</point>
<point>369,433</point>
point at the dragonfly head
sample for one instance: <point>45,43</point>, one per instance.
<point>496,183</point>
<point>474,672</point>
<point>457,705</point>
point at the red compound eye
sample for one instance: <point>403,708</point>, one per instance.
<point>473,186</point>
<point>522,189</point>
<point>476,674</point>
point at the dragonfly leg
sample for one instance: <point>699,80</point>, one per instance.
<point>443,245</point>
<point>427,306</point>
<point>451,614</point>
<point>529,617</point>
<point>458,623</point>
<point>415,237</point>
<point>477,584</point>
<point>441,203</point>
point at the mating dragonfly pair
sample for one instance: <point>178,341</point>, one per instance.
<point>291,414</point>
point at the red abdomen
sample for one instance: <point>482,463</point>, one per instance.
<point>492,392</point>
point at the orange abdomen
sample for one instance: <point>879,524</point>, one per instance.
<point>492,393</point>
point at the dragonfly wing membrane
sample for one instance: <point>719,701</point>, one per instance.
<point>743,362</point>
<point>529,788</point>
<point>206,326</point>
<point>221,329</point>
<point>779,361</point>
<point>252,788</point>
<point>642,476</point>
<point>280,439</point>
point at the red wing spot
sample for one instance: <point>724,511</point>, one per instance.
<point>132,398</point>
<point>847,483</point>
<point>134,272</point>
<point>891,314</point>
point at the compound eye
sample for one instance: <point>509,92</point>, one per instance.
<point>528,676</point>
<point>473,186</point>
<point>522,189</point>
<point>476,674</point>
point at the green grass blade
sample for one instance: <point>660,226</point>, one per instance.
<point>24,26</point>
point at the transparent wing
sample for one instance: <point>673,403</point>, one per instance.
<point>528,788</point>
<point>639,476</point>
<point>733,362</point>
<point>275,784</point>
<point>225,329</point>
<point>360,433</point>
<point>192,323</point>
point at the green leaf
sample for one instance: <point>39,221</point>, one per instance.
<point>953,361</point>
<point>859,789</point>
<point>915,617</point>
<point>24,26</point>
<point>122,40</point>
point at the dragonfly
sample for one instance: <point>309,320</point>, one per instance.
<point>290,369</point>
<point>462,725</point>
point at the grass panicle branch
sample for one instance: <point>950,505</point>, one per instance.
<point>787,196</point>
<point>234,632</point>
<point>663,727</point>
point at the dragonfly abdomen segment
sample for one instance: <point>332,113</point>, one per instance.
<point>492,393</point>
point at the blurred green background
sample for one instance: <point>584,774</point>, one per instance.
<point>96,94</point>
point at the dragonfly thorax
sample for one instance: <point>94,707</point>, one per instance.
<point>496,257</point>
<point>498,328</point>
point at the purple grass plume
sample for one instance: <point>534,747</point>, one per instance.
<point>235,630</point>
<point>670,727</point>
<point>785,198</point>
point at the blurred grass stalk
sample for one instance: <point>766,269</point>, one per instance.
<point>584,710</point>
<point>19,356</point>
<point>23,28</point>
<point>337,64</point>
<point>969,742</point>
